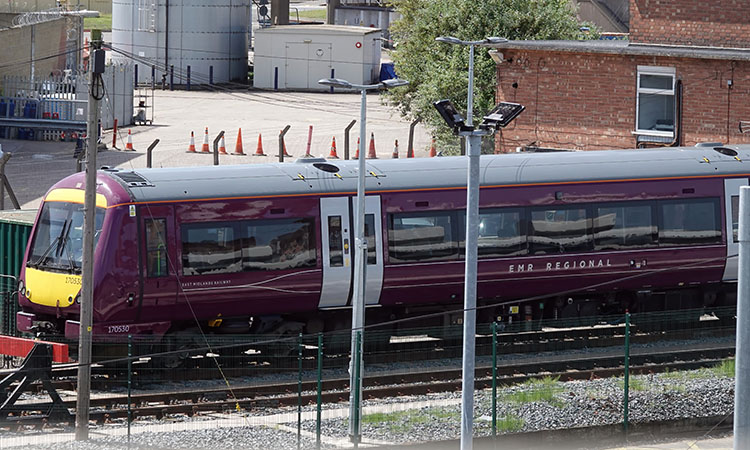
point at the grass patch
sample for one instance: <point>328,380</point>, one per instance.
<point>537,390</point>
<point>405,421</point>
<point>308,14</point>
<point>103,22</point>
<point>510,423</point>
<point>634,384</point>
<point>724,369</point>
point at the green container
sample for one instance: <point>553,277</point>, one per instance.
<point>15,229</point>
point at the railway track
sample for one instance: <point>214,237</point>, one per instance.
<point>385,385</point>
<point>406,349</point>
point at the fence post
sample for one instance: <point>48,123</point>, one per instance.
<point>188,78</point>
<point>299,392</point>
<point>494,379</point>
<point>130,375</point>
<point>346,138</point>
<point>318,402</point>
<point>627,371</point>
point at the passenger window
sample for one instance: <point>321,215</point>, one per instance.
<point>156,248</point>
<point>690,222</point>
<point>559,230</point>
<point>281,245</point>
<point>501,233</point>
<point>210,248</point>
<point>428,236</point>
<point>623,226</point>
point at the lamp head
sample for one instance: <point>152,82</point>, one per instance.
<point>394,82</point>
<point>335,82</point>
<point>449,40</point>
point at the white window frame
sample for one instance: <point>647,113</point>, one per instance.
<point>652,70</point>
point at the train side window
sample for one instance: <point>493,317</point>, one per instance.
<point>156,247</point>
<point>372,258</point>
<point>280,244</point>
<point>501,233</point>
<point>210,248</point>
<point>689,222</point>
<point>335,242</point>
<point>735,216</point>
<point>559,230</point>
<point>424,236</point>
<point>620,226</point>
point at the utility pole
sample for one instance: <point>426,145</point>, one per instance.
<point>96,91</point>
<point>742,363</point>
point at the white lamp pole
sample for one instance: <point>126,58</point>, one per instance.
<point>360,255</point>
<point>474,150</point>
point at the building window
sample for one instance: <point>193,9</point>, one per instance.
<point>655,108</point>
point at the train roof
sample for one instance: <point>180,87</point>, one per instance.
<point>317,175</point>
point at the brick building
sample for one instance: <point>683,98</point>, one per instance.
<point>683,77</point>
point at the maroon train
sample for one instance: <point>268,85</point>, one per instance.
<point>265,248</point>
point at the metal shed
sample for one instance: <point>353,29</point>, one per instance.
<point>15,228</point>
<point>297,56</point>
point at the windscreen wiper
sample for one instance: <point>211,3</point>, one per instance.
<point>55,244</point>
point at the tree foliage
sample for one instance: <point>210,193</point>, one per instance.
<point>438,71</point>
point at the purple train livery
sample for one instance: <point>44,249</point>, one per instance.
<point>266,248</point>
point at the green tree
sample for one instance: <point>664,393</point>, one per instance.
<point>437,70</point>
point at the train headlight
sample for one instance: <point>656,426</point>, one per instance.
<point>21,288</point>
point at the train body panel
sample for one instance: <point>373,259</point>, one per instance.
<point>216,243</point>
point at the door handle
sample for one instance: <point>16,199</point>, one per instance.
<point>346,246</point>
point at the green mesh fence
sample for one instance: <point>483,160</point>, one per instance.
<point>262,391</point>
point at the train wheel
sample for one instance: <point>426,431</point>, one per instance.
<point>180,346</point>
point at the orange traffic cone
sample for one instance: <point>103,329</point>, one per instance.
<point>238,147</point>
<point>129,145</point>
<point>191,147</point>
<point>395,150</point>
<point>333,154</point>
<point>259,149</point>
<point>371,151</point>
<point>204,148</point>
<point>433,151</point>
<point>356,155</point>
<point>283,141</point>
<point>222,146</point>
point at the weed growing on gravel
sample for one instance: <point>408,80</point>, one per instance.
<point>634,384</point>
<point>405,421</point>
<point>510,423</point>
<point>542,390</point>
<point>724,369</point>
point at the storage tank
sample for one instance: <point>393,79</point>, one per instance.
<point>206,35</point>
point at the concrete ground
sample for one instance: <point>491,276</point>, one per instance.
<point>37,165</point>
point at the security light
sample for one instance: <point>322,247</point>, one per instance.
<point>501,115</point>
<point>454,120</point>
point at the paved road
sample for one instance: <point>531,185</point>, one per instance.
<point>36,165</point>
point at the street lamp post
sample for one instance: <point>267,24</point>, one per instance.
<point>360,252</point>
<point>474,138</point>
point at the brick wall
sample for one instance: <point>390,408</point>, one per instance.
<point>715,23</point>
<point>587,101</point>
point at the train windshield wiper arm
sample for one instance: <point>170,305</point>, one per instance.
<point>54,245</point>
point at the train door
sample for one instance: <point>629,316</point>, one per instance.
<point>337,258</point>
<point>374,236</point>
<point>337,229</point>
<point>158,260</point>
<point>732,214</point>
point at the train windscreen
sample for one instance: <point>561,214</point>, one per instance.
<point>58,239</point>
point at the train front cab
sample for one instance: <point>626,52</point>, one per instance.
<point>50,282</point>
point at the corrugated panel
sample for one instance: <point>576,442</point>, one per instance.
<point>14,234</point>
